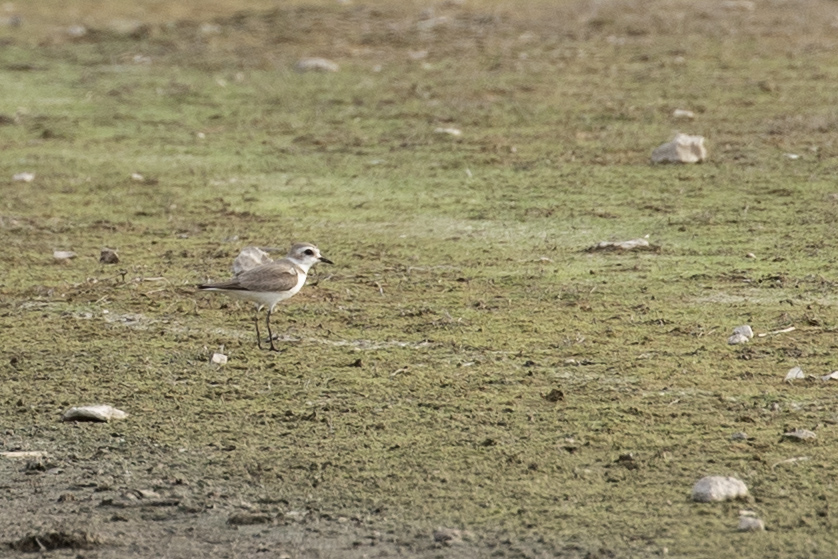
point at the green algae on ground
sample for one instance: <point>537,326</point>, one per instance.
<point>412,386</point>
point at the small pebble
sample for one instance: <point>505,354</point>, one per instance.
<point>718,488</point>
<point>800,435</point>
<point>745,330</point>
<point>99,413</point>
<point>219,359</point>
<point>24,177</point>
<point>682,149</point>
<point>738,339</point>
<point>831,376</point>
<point>108,256</point>
<point>739,436</point>
<point>633,244</point>
<point>449,131</point>
<point>316,65</point>
<point>63,254</point>
<point>748,522</point>
<point>795,373</point>
<point>683,113</point>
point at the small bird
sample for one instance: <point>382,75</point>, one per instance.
<point>268,284</point>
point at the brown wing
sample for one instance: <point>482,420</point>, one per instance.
<point>277,276</point>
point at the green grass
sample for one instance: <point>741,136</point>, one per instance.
<point>462,292</point>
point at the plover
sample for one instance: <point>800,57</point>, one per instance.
<point>270,283</point>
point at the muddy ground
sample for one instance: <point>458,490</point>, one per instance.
<point>471,378</point>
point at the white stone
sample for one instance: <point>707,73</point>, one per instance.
<point>219,359</point>
<point>77,31</point>
<point>248,258</point>
<point>93,413</point>
<point>63,254</point>
<point>449,131</point>
<point>682,149</point>
<point>683,113</point>
<point>24,177</point>
<point>719,488</point>
<point>633,244</point>
<point>745,330</point>
<point>748,522</point>
<point>316,65</point>
<point>137,177</point>
<point>795,373</point>
<point>831,376</point>
<point>738,338</point>
<point>800,435</point>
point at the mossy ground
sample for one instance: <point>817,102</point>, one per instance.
<point>411,390</point>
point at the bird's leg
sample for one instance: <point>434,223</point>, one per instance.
<point>270,334</point>
<point>256,322</point>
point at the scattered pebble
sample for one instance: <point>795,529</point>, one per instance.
<point>108,256</point>
<point>63,255</point>
<point>137,177</point>
<point>77,31</point>
<point>739,436</point>
<point>682,149</point>
<point>683,113</point>
<point>248,258</point>
<point>749,522</point>
<point>750,255</point>
<point>792,156</point>
<point>450,131</point>
<point>719,488</point>
<point>831,376</point>
<point>316,65</point>
<point>99,413</point>
<point>800,435</point>
<point>633,244</point>
<point>738,339</point>
<point>794,373</point>
<point>23,177</point>
<point>741,334</point>
<point>219,359</point>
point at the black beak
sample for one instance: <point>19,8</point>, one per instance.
<point>325,260</point>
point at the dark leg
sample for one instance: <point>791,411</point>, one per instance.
<point>270,334</point>
<point>258,335</point>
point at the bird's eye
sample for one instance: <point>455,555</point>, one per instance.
<point>309,252</point>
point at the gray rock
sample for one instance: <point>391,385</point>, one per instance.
<point>316,65</point>
<point>682,149</point>
<point>794,373</point>
<point>100,413</point>
<point>800,435</point>
<point>718,488</point>
<point>748,522</point>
